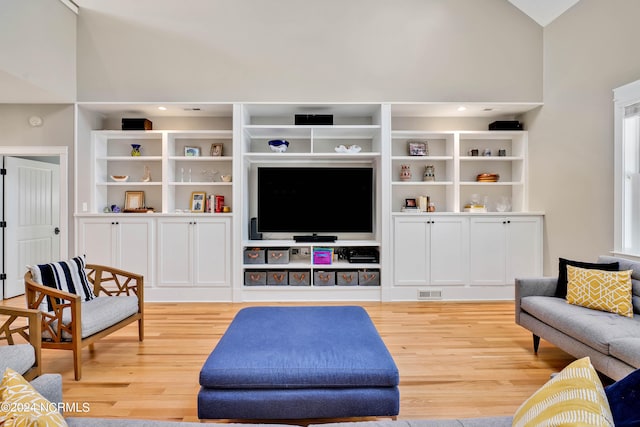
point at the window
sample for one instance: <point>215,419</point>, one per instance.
<point>627,169</point>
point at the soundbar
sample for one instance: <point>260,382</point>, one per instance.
<point>315,238</point>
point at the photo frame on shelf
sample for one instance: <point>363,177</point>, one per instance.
<point>133,200</point>
<point>418,147</point>
<point>192,151</point>
<point>197,201</point>
<point>216,150</point>
<point>410,203</point>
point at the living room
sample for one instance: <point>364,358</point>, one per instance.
<point>461,52</point>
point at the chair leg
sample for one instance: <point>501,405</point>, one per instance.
<point>536,343</point>
<point>140,329</point>
<point>77,361</point>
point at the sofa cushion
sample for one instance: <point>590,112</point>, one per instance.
<point>68,276</point>
<point>19,357</point>
<point>100,313</point>
<point>627,350</point>
<point>627,264</point>
<point>594,328</point>
<point>22,405</point>
<point>624,400</point>
<point>573,397</point>
<point>600,290</point>
<point>561,288</point>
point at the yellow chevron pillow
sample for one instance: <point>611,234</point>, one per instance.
<point>600,290</point>
<point>22,406</point>
<point>574,397</point>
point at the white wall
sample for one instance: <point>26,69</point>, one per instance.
<point>38,45</point>
<point>588,51</point>
<point>56,130</point>
<point>293,50</point>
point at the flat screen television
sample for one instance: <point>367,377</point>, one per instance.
<point>315,199</point>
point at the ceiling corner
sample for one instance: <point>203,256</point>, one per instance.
<point>543,11</point>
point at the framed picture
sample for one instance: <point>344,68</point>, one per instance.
<point>410,203</point>
<point>192,151</point>
<point>197,201</point>
<point>418,148</point>
<point>133,200</point>
<point>216,150</point>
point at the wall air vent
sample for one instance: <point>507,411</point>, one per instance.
<point>433,294</point>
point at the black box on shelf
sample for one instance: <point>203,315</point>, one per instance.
<point>314,119</point>
<point>137,124</point>
<point>505,125</point>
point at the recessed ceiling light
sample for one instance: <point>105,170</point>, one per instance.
<point>487,109</point>
<point>462,108</point>
<point>162,108</point>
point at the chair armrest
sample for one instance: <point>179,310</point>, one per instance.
<point>31,332</point>
<point>52,321</point>
<point>111,281</point>
<point>539,286</point>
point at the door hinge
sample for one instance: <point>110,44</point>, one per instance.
<point>3,276</point>
<point>3,171</point>
<point>3,224</point>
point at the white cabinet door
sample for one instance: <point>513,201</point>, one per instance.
<point>411,251</point>
<point>135,247</point>
<point>524,247</point>
<point>430,251</point>
<point>502,248</point>
<point>97,240</point>
<point>212,252</point>
<point>175,249</point>
<point>487,250</point>
<point>194,252</point>
<point>449,254</point>
<point>125,243</point>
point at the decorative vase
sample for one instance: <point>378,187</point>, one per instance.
<point>135,150</point>
<point>405,173</point>
<point>429,173</point>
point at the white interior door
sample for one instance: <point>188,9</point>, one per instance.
<point>32,216</point>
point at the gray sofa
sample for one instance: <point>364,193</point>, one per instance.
<point>611,341</point>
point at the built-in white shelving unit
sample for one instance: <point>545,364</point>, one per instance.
<point>201,256</point>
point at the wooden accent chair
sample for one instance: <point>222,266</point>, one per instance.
<point>72,324</point>
<point>23,358</point>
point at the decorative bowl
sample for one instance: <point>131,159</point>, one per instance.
<point>120,178</point>
<point>278,145</point>
<point>348,148</point>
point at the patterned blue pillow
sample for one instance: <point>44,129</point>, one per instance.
<point>624,400</point>
<point>68,276</point>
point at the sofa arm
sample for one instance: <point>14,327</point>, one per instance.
<point>50,387</point>
<point>539,286</point>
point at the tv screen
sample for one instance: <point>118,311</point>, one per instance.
<point>315,199</point>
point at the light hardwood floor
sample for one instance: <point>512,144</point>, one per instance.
<point>455,360</point>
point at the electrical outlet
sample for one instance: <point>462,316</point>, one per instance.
<point>305,251</point>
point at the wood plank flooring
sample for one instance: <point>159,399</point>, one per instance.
<point>456,359</point>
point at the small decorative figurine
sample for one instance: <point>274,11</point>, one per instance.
<point>429,173</point>
<point>135,150</point>
<point>147,174</point>
<point>405,173</point>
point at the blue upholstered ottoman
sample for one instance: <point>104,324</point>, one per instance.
<point>299,363</point>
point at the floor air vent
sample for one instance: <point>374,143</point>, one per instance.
<point>429,295</point>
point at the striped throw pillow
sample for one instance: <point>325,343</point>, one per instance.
<point>574,397</point>
<point>68,276</point>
